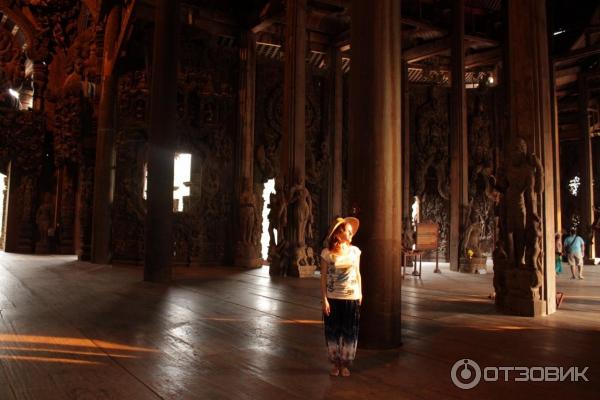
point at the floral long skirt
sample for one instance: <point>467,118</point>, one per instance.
<point>341,330</point>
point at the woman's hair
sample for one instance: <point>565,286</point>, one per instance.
<point>334,239</point>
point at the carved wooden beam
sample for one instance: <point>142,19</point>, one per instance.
<point>426,50</point>
<point>342,41</point>
<point>560,73</point>
<point>427,26</point>
<point>578,54</point>
<point>273,12</point>
<point>126,23</point>
<point>20,20</point>
<point>483,58</point>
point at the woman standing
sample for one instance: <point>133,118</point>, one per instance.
<point>341,294</point>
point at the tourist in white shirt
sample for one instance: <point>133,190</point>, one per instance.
<point>341,294</point>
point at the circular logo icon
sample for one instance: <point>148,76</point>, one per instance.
<point>465,373</point>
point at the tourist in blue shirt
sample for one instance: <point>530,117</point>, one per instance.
<point>575,249</point>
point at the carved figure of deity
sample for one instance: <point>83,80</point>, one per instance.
<point>525,184</point>
<point>301,202</point>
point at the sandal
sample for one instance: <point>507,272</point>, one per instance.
<point>345,371</point>
<point>335,371</point>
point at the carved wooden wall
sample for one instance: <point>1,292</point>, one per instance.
<point>429,131</point>
<point>269,113</point>
<point>429,138</point>
<point>482,128</point>
<point>206,128</point>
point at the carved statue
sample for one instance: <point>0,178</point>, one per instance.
<point>310,256</point>
<point>247,220</point>
<point>301,202</point>
<point>525,184</point>
<point>533,255</point>
<point>415,214</point>
<point>472,237</point>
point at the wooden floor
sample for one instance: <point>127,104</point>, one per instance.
<point>73,330</point>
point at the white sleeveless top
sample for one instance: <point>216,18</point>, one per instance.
<point>342,274</point>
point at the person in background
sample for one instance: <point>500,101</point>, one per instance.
<point>558,250</point>
<point>574,247</point>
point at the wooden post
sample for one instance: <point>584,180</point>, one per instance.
<point>375,165</point>
<point>586,190</point>
<point>459,162</point>
<point>245,252</point>
<point>104,171</point>
<point>336,76</point>
<point>530,120</point>
<point>163,117</point>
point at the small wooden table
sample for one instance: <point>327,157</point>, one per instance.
<point>427,238</point>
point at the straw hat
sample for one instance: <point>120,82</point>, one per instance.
<point>354,222</point>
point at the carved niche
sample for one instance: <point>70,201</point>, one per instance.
<point>429,133</point>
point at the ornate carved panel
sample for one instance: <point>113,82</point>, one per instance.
<point>268,131</point>
<point>206,128</point>
<point>429,149</point>
<point>482,167</point>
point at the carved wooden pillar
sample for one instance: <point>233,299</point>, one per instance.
<point>407,199</point>
<point>596,172</point>
<point>586,189</point>
<point>459,162</point>
<point>40,81</point>
<point>293,141</point>
<point>293,146</point>
<point>83,223</point>
<point>104,170</point>
<point>375,162</point>
<point>336,97</point>
<point>556,150</point>
<point>65,211</point>
<point>524,276</point>
<point>20,212</point>
<point>245,251</point>
<point>163,118</point>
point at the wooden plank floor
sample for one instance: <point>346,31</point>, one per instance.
<point>74,330</point>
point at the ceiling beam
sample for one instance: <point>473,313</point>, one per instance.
<point>273,12</point>
<point>578,54</point>
<point>487,57</point>
<point>426,50</point>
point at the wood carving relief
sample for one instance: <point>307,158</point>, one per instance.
<point>429,148</point>
<point>479,217</point>
<point>206,128</point>
<point>129,204</point>
<point>268,131</point>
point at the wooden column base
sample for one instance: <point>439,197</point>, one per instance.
<point>245,256</point>
<point>523,307</point>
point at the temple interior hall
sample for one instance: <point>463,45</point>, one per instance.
<point>171,174</point>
